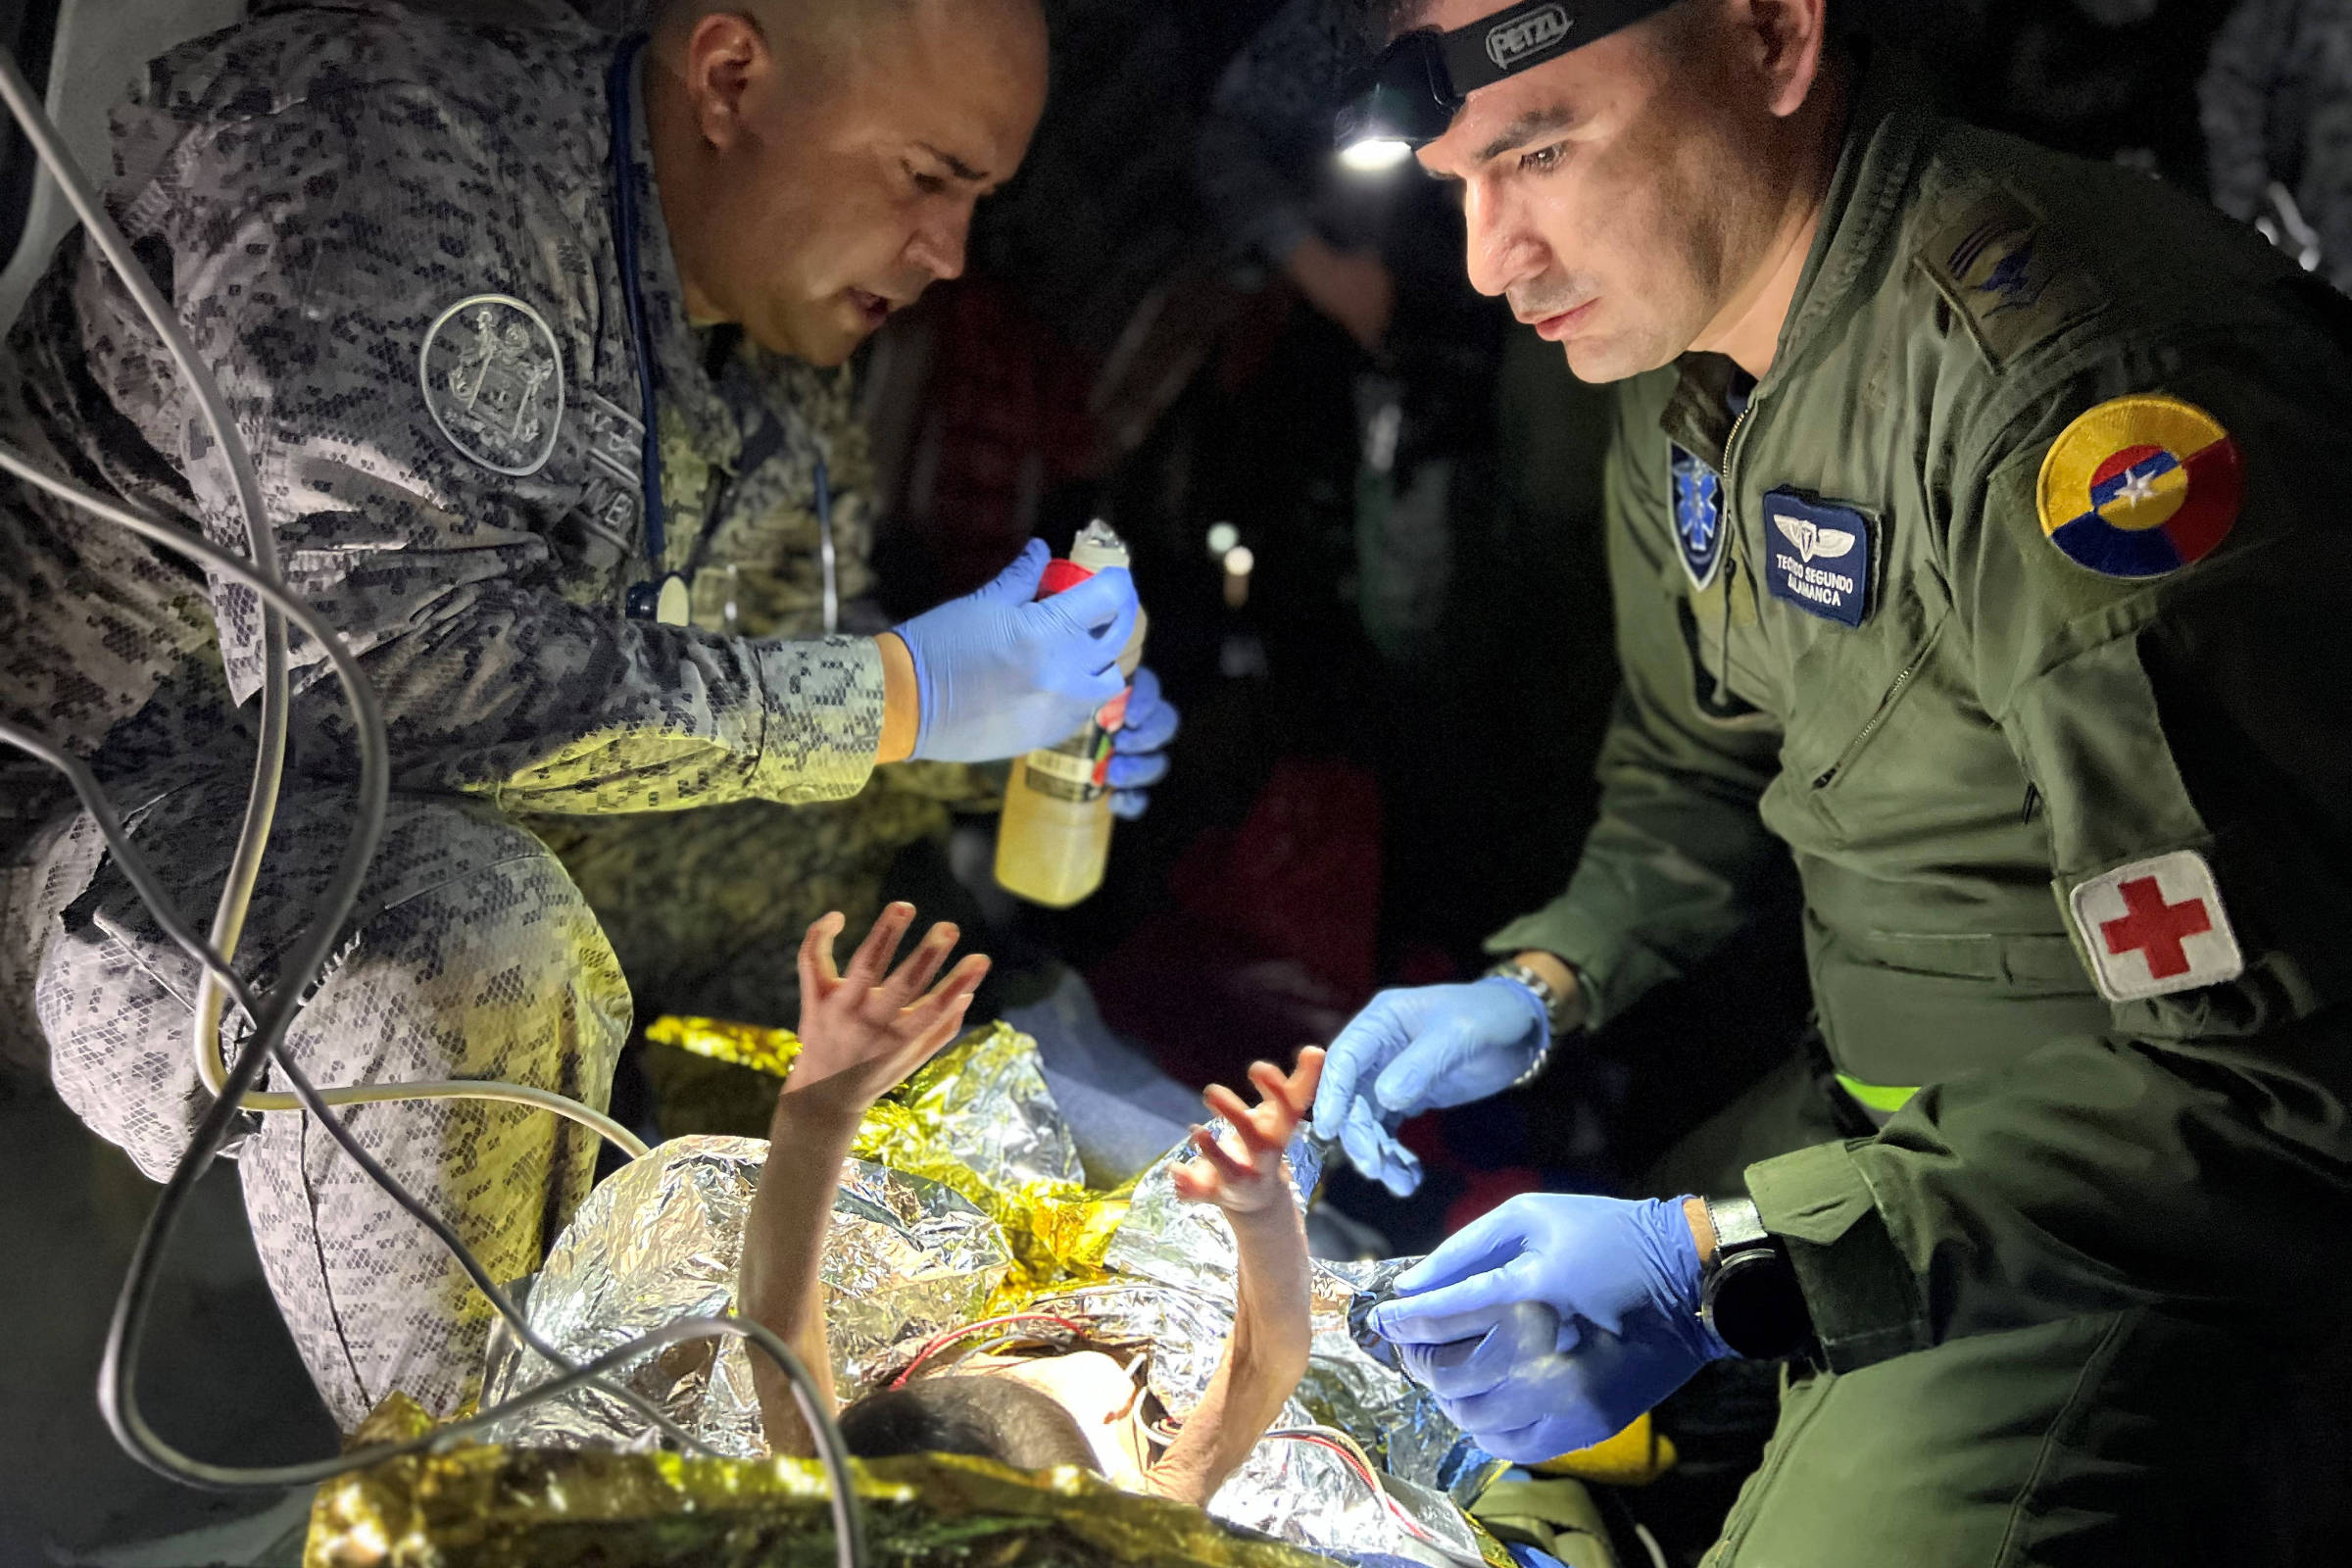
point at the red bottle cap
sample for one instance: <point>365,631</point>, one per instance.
<point>1060,574</point>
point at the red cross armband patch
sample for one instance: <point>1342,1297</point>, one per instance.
<point>2155,927</point>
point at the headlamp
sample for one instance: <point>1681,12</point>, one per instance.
<point>1409,96</point>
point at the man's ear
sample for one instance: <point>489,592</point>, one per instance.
<point>725,53</point>
<point>1791,38</point>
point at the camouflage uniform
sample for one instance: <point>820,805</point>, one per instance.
<point>2278,109</point>
<point>392,238</point>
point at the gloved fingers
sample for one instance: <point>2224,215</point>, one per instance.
<point>1085,690</point>
<point>1406,1086</point>
<point>1442,1313</point>
<point>1401,1175</point>
<point>1486,1244</point>
<point>1449,1371</point>
<point>1553,1393</point>
<point>1529,1324</point>
<point>1490,1353</point>
<point>1017,584</point>
<point>1102,609</point>
<point>1538,1442</point>
<point>1137,772</point>
<point>1151,719</point>
<point>1378,1156</point>
<point>1357,1054</point>
<point>1128,804</point>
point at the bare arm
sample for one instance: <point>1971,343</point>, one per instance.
<point>861,1035</point>
<point>1266,1356</point>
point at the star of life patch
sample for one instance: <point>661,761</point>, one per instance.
<point>1698,518</point>
<point>2156,927</point>
<point>1817,556</point>
<point>492,377</point>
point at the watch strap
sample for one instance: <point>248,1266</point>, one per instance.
<point>1556,1008</point>
<point>1738,1227</point>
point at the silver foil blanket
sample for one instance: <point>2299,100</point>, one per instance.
<point>909,1258</point>
<point>660,1240</point>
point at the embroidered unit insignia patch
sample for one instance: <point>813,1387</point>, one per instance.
<point>2141,486</point>
<point>2155,927</point>
<point>1817,556</point>
<point>492,377</point>
<point>1698,518</point>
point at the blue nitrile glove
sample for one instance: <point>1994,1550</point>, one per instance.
<point>1422,1049</point>
<point>1553,1322</point>
<point>1000,671</point>
<point>1139,748</point>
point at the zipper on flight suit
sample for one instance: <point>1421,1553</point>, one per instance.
<point>1878,720</point>
<point>1731,555</point>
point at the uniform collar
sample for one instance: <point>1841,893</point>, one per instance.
<point>1862,213</point>
<point>1861,216</point>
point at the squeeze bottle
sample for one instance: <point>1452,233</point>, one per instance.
<point>1055,837</point>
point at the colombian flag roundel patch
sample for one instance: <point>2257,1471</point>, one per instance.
<point>2141,486</point>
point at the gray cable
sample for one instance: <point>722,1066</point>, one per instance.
<point>118,1371</point>
<point>134,867</point>
<point>269,764</point>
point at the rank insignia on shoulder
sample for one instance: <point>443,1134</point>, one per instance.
<point>2155,927</point>
<point>1817,556</point>
<point>1698,518</point>
<point>2004,272</point>
<point>2141,486</point>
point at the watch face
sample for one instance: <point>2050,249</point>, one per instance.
<point>1754,1304</point>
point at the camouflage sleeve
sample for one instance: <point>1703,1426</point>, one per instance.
<point>964,786</point>
<point>313,249</point>
<point>2162,686</point>
<point>1679,859</point>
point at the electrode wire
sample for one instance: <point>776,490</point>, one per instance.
<point>370,726</point>
<point>134,867</point>
<point>117,1374</point>
<point>270,763</point>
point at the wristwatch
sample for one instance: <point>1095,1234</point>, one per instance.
<point>1750,1296</point>
<point>1556,1014</point>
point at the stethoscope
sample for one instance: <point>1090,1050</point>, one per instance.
<point>663,598</point>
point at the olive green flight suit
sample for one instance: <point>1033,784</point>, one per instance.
<point>2056,1291</point>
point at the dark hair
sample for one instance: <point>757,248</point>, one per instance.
<point>989,1418</point>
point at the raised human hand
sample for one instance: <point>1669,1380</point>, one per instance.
<point>863,1030</point>
<point>1242,1174</point>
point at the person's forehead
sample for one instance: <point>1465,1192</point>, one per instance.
<point>1542,97</point>
<point>969,93</point>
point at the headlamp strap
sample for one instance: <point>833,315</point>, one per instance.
<point>1528,35</point>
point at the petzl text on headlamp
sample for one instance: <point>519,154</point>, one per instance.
<point>1409,96</point>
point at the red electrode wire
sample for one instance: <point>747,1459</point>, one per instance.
<point>940,1342</point>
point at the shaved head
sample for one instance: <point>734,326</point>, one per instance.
<point>819,160</point>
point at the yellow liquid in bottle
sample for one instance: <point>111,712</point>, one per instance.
<point>1054,841</point>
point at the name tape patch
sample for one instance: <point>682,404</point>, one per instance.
<point>2155,927</point>
<point>1817,556</point>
